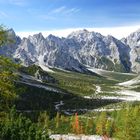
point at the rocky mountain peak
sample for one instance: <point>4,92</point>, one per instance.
<point>80,48</point>
<point>83,33</point>
<point>133,42</point>
<point>38,36</point>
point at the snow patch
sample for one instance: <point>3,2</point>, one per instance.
<point>41,86</point>
<point>127,95</point>
<point>42,64</point>
<point>105,72</point>
<point>45,68</point>
<point>130,82</point>
<point>76,137</point>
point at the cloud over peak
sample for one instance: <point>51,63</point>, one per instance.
<point>118,32</point>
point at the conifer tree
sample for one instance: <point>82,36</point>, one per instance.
<point>109,127</point>
<point>57,119</point>
<point>101,123</point>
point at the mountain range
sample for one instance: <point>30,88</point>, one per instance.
<point>78,51</point>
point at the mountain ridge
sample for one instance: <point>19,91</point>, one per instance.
<point>80,49</point>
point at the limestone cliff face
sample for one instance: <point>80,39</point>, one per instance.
<point>78,50</point>
<point>133,41</point>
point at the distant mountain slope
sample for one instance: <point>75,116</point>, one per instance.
<point>94,50</point>
<point>133,41</point>
<point>79,50</point>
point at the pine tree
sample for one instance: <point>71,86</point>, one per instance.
<point>109,127</point>
<point>3,35</point>
<point>57,120</point>
<point>87,126</point>
<point>101,123</point>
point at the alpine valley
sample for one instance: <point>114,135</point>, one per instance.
<point>84,85</point>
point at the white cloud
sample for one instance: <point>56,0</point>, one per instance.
<point>64,10</point>
<point>3,14</point>
<point>118,32</point>
<point>55,13</point>
<point>59,10</point>
<point>72,10</point>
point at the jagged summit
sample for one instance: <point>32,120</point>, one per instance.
<point>83,33</point>
<point>135,32</point>
<point>81,48</point>
<point>133,41</point>
<point>39,35</point>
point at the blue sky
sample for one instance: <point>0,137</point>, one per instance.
<point>44,15</point>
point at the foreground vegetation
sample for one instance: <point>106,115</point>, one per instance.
<point>121,124</point>
<point>14,126</point>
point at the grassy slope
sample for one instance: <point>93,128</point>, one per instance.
<point>85,85</point>
<point>77,86</point>
<point>80,84</point>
